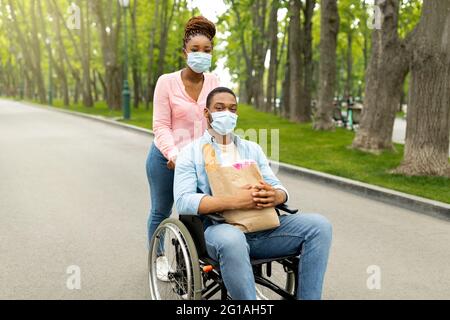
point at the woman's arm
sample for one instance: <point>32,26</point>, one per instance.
<point>162,119</point>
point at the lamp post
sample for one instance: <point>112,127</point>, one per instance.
<point>50,72</point>
<point>126,89</point>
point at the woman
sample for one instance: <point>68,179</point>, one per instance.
<point>178,105</point>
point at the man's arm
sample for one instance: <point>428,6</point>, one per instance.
<point>185,183</point>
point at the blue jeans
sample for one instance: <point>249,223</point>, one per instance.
<point>160,179</point>
<point>306,234</point>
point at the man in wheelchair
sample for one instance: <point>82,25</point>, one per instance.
<point>305,235</point>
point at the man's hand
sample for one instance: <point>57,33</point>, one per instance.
<point>266,196</point>
<point>245,199</point>
<point>242,201</point>
<point>256,197</point>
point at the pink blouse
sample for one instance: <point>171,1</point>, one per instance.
<point>177,118</point>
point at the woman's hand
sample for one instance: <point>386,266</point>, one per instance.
<point>172,163</point>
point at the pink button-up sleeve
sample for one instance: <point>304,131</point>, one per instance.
<point>162,119</point>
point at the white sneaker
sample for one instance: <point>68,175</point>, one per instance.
<point>163,268</point>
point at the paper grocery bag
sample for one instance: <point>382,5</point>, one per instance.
<point>228,181</point>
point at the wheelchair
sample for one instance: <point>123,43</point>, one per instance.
<point>193,275</point>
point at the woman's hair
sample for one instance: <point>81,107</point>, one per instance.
<point>199,26</point>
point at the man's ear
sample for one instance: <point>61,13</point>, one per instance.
<point>207,114</point>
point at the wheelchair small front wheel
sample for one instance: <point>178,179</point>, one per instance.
<point>182,278</point>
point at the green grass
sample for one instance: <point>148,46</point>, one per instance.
<point>322,151</point>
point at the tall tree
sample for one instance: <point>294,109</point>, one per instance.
<point>109,21</point>
<point>295,64</point>
<point>329,28</point>
<point>259,50</point>
<point>151,56</point>
<point>271,91</point>
<point>385,76</point>
<point>427,134</point>
<point>166,16</point>
<point>57,63</point>
<point>85,39</point>
<point>241,26</point>
<point>349,74</point>
<point>135,57</point>
<point>308,64</point>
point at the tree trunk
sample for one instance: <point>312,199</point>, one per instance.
<point>85,39</point>
<point>259,51</point>
<point>247,57</point>
<point>329,29</point>
<point>427,134</point>
<point>166,22</point>
<point>151,57</point>
<point>285,95</point>
<point>135,59</point>
<point>94,86</point>
<point>349,80</point>
<point>365,35</point>
<point>385,76</point>
<point>308,67</point>
<point>271,95</point>
<point>59,62</point>
<point>296,113</point>
<point>109,44</point>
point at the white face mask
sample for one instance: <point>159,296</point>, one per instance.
<point>199,62</point>
<point>224,122</point>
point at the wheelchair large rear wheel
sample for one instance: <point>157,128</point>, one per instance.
<point>173,240</point>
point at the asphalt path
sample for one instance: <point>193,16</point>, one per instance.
<point>73,192</point>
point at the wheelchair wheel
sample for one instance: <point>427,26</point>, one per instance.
<point>173,240</point>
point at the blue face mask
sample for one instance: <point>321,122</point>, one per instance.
<point>199,62</point>
<point>224,122</point>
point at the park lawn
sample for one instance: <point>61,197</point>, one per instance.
<point>327,152</point>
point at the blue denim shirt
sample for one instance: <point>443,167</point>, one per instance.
<point>191,181</point>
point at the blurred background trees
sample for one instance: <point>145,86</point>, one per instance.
<point>298,59</point>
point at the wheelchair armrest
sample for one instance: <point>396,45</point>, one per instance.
<point>285,208</point>
<point>215,217</point>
